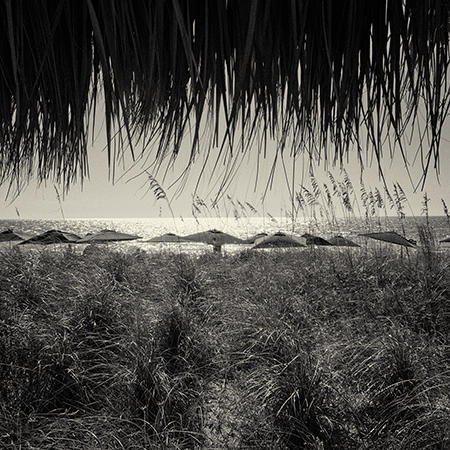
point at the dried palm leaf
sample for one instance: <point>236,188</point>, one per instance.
<point>303,72</point>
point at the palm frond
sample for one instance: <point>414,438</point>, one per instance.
<point>318,72</point>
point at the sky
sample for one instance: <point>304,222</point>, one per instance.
<point>127,196</point>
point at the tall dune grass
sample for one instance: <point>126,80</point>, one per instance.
<point>288,349</point>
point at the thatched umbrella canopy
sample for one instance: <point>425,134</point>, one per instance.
<point>390,237</point>
<point>213,237</point>
<point>107,236</point>
<point>52,237</point>
<point>318,70</point>
<point>340,241</point>
<point>168,237</point>
<point>315,240</point>
<point>10,235</point>
<point>279,240</point>
<point>252,239</point>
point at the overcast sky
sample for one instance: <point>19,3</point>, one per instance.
<point>99,197</point>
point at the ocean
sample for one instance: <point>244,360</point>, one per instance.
<point>242,227</point>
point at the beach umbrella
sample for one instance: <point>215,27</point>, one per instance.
<point>390,237</point>
<point>315,240</point>
<point>52,237</point>
<point>168,237</point>
<point>279,240</point>
<point>252,239</point>
<point>340,241</point>
<point>107,236</point>
<point>214,237</point>
<point>10,235</point>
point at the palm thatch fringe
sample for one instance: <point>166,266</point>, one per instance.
<point>318,71</point>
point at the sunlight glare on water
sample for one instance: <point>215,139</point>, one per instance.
<point>242,227</point>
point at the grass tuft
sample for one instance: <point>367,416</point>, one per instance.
<point>309,349</point>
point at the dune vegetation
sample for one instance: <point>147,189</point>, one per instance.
<point>286,349</point>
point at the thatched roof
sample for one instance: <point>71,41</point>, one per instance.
<point>10,235</point>
<point>279,240</point>
<point>340,241</point>
<point>213,237</point>
<point>52,237</point>
<point>252,239</point>
<point>315,240</point>
<point>312,69</point>
<point>390,237</point>
<point>107,236</point>
<point>167,237</point>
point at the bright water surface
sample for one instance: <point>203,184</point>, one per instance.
<point>242,227</point>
